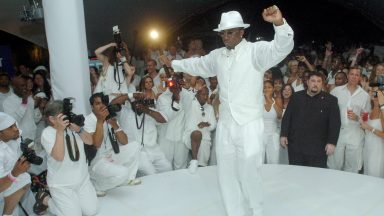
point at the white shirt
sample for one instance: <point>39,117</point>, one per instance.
<point>195,115</point>
<point>108,85</point>
<point>105,150</point>
<point>8,157</point>
<point>25,115</point>
<point>66,172</point>
<point>359,101</point>
<point>240,72</point>
<point>3,96</point>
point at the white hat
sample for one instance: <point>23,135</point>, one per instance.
<point>230,20</point>
<point>41,95</point>
<point>41,67</point>
<point>6,121</point>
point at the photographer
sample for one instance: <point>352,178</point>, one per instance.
<point>113,165</point>
<point>71,190</point>
<point>152,159</point>
<point>172,105</point>
<point>14,179</point>
<point>112,80</point>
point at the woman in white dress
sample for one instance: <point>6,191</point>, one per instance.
<point>373,150</point>
<point>272,112</point>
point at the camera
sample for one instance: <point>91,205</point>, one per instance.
<point>70,116</point>
<point>29,153</point>
<point>176,81</point>
<point>379,83</point>
<point>117,39</point>
<point>112,108</point>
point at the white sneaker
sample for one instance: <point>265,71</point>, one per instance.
<point>135,181</point>
<point>193,166</point>
<point>100,193</point>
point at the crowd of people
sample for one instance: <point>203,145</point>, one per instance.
<point>323,107</point>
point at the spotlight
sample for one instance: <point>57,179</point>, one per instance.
<point>154,34</point>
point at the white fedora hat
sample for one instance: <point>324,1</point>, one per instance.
<point>230,20</point>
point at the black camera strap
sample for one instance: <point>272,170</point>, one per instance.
<point>117,74</point>
<point>69,146</point>
<point>112,138</point>
<point>140,126</point>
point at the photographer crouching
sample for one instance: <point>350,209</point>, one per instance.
<point>71,191</point>
<point>116,162</point>
<point>14,179</point>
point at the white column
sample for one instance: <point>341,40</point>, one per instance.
<point>67,44</point>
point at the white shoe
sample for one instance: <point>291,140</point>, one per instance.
<point>193,164</point>
<point>101,193</point>
<point>133,182</point>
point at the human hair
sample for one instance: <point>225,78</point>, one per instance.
<point>142,83</point>
<point>354,68</point>
<point>318,74</point>
<point>270,82</point>
<point>5,74</point>
<point>152,60</point>
<point>53,108</point>
<point>46,87</point>
<point>373,75</point>
<point>94,96</point>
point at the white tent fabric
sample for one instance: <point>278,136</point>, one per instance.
<point>67,44</point>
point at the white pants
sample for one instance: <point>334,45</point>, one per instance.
<point>271,145</point>
<point>348,155</point>
<point>73,200</point>
<point>204,150</point>
<point>175,152</point>
<point>239,151</point>
<point>212,157</point>
<point>153,160</point>
<point>108,173</point>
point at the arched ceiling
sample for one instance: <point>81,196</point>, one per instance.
<point>140,15</point>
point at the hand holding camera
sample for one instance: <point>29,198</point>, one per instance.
<point>21,166</point>
<point>60,122</point>
<point>113,123</point>
<point>101,113</point>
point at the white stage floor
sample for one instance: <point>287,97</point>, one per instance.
<point>288,191</point>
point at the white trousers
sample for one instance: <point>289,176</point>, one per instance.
<point>175,151</point>
<point>73,200</point>
<point>271,144</point>
<point>348,155</point>
<point>212,157</point>
<point>153,160</point>
<point>108,173</point>
<point>239,150</point>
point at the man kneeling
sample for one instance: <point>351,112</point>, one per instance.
<point>14,179</point>
<point>200,121</point>
<point>115,163</point>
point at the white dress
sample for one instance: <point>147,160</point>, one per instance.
<point>271,136</point>
<point>373,151</point>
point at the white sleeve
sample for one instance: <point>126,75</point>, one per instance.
<point>17,111</point>
<point>48,138</point>
<point>2,168</point>
<point>268,54</point>
<point>90,124</point>
<point>201,66</point>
